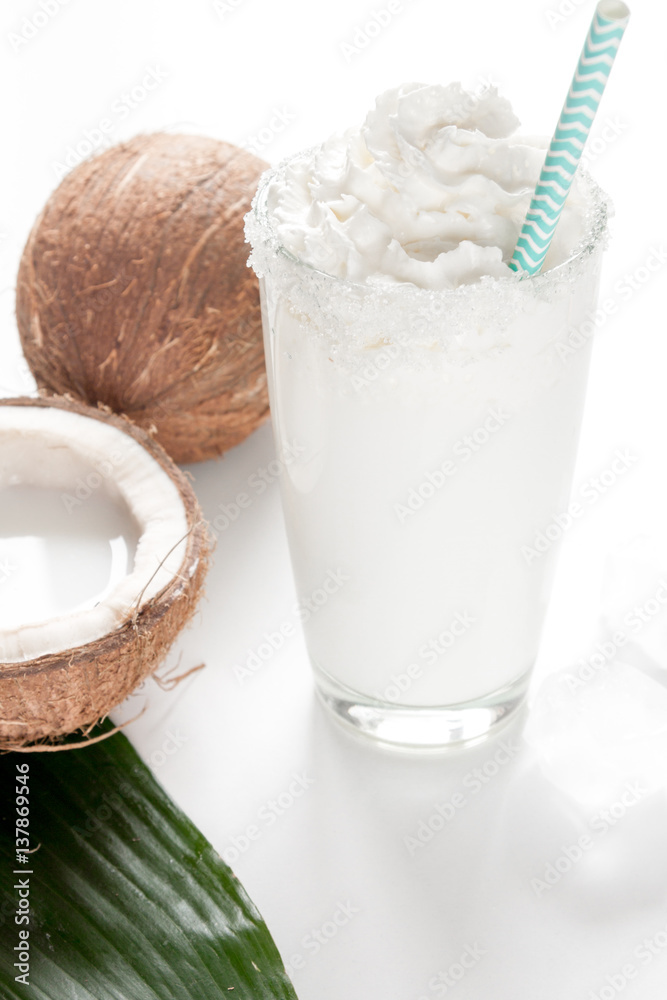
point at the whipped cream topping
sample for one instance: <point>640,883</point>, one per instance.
<point>432,189</point>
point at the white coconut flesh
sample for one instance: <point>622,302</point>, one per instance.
<point>58,450</point>
<point>61,552</point>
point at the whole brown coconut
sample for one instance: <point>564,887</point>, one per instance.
<point>133,291</point>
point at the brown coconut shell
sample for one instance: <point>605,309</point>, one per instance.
<point>59,693</point>
<point>133,291</point>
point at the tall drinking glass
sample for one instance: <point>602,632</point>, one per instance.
<point>431,438</point>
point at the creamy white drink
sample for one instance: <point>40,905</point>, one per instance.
<point>435,400</point>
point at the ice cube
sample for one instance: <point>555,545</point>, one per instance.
<point>595,736</point>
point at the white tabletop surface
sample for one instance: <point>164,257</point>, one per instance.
<point>323,829</point>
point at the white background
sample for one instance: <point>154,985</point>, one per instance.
<point>224,749</point>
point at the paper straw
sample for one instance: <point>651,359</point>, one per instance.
<point>590,78</point>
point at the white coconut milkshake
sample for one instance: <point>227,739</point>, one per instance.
<point>435,399</point>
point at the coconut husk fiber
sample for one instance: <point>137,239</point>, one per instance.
<point>133,291</point>
<point>59,693</point>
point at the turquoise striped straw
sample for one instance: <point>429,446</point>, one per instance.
<point>590,78</point>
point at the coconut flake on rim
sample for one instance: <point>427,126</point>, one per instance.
<point>352,316</point>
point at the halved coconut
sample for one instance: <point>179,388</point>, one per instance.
<point>64,673</point>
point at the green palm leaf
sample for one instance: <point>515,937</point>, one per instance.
<point>128,900</point>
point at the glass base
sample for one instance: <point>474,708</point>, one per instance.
<point>422,727</point>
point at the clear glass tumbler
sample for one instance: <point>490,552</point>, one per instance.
<point>429,440</point>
